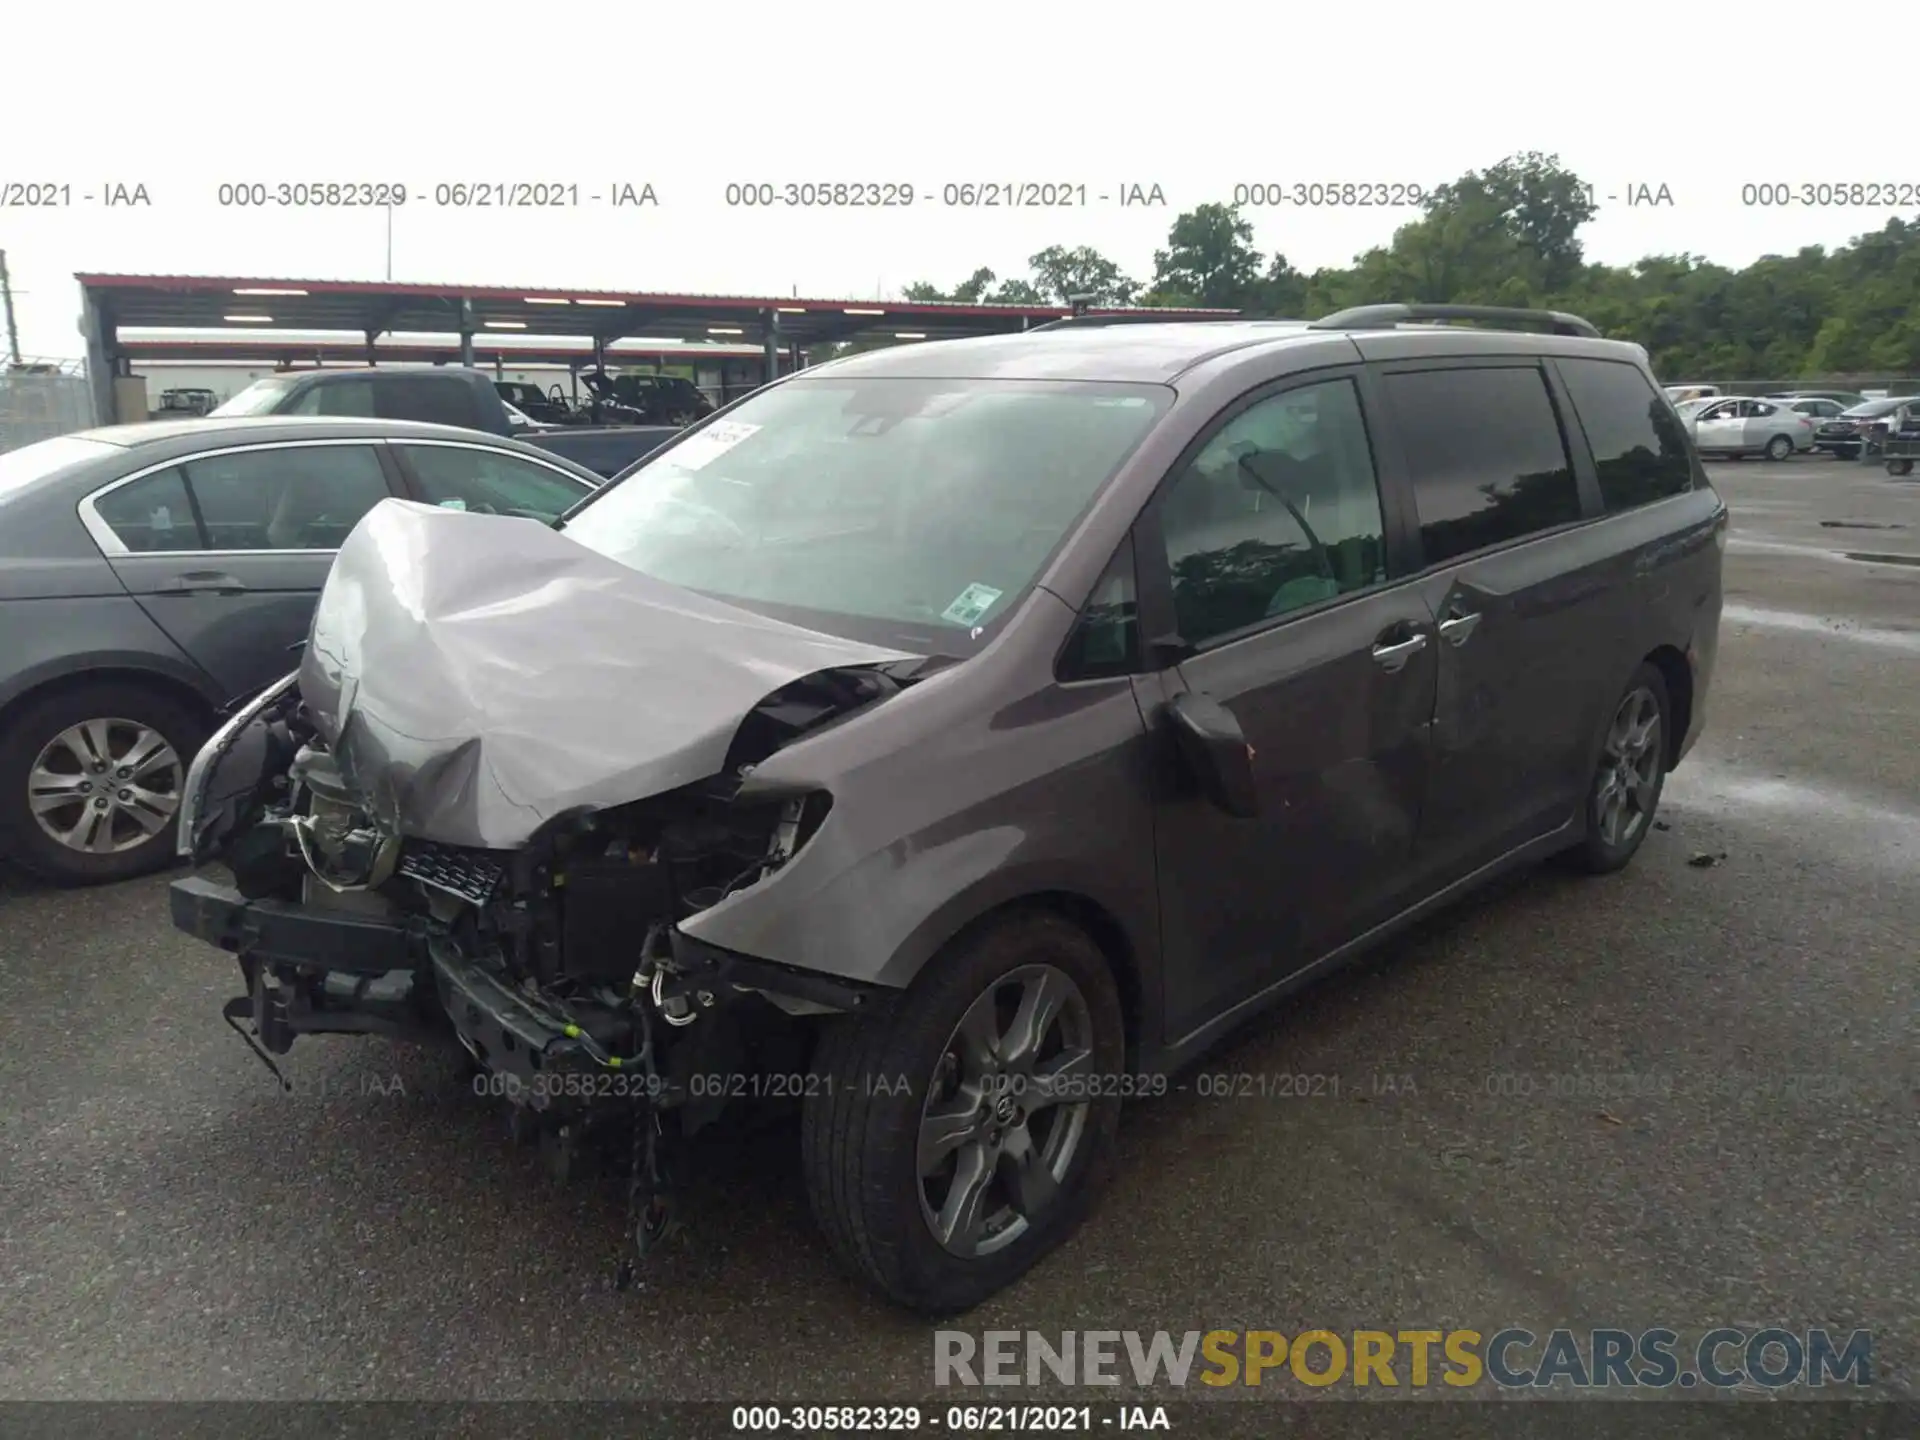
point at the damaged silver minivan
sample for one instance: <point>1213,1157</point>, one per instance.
<point>956,739</point>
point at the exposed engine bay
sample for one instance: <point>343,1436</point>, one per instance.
<point>558,965</point>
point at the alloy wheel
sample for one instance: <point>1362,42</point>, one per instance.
<point>1006,1112</point>
<point>105,786</point>
<point>1628,785</point>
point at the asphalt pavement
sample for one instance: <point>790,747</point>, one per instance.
<point>1680,1096</point>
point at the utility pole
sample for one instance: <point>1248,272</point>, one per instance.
<point>6,303</point>
<point>389,240</point>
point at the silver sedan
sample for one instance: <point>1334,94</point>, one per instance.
<point>1741,426</point>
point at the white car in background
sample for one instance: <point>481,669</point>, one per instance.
<point>1742,425</point>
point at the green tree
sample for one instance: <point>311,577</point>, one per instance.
<point>1209,259</point>
<point>1510,235</point>
<point>1060,274</point>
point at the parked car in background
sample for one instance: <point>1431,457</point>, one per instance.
<point>1817,408</point>
<point>1846,399</point>
<point>660,399</point>
<point>541,407</point>
<point>970,735</point>
<point>441,395</point>
<point>151,573</point>
<point>178,403</point>
<point>1739,426</point>
<point>1845,435</point>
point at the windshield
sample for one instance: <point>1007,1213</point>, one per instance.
<point>907,512</point>
<point>263,397</point>
<point>20,468</point>
<point>1874,407</point>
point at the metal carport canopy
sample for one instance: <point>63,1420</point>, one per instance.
<point>202,302</point>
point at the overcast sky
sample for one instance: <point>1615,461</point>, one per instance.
<point>1194,98</point>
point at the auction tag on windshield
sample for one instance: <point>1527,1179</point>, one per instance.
<point>709,444</point>
<point>974,602</point>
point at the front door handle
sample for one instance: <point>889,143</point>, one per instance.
<point>1393,658</point>
<point>1458,629</point>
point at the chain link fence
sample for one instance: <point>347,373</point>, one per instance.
<point>43,398</point>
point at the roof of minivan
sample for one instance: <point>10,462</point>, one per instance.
<point>1159,353</point>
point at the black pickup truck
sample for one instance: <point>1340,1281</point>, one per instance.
<point>443,395</point>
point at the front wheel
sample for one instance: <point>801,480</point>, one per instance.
<point>1631,773</point>
<point>950,1146</point>
<point>1899,467</point>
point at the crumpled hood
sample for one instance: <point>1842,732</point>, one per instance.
<point>477,675</point>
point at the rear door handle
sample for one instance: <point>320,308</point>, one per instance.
<point>1458,629</point>
<point>1393,658</point>
<point>207,582</point>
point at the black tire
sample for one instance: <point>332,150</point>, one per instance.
<point>37,724</point>
<point>1597,854</point>
<point>1780,447</point>
<point>1899,467</point>
<point>860,1134</point>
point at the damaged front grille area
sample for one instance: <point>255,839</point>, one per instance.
<point>470,875</point>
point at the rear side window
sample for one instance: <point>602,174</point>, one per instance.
<point>302,497</point>
<point>151,514</point>
<point>1639,447</point>
<point>436,399</point>
<point>1485,454</point>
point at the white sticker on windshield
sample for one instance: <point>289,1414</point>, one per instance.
<point>974,602</point>
<point>709,445</point>
<point>453,504</point>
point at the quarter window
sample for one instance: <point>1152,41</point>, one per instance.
<point>1279,511</point>
<point>152,514</point>
<point>1485,454</point>
<point>1106,642</point>
<point>1639,447</point>
<point>301,497</point>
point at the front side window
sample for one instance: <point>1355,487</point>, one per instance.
<point>152,514</point>
<point>299,497</point>
<point>1639,450</point>
<point>1485,454</point>
<point>910,512</point>
<point>1279,510</point>
<point>459,477</point>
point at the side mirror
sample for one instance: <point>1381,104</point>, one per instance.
<point>1213,747</point>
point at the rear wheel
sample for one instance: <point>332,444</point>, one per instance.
<point>90,781</point>
<point>1631,773</point>
<point>1779,447</point>
<point>952,1145</point>
<point>1899,467</point>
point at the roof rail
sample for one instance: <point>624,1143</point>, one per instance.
<point>1387,317</point>
<point>1141,317</point>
